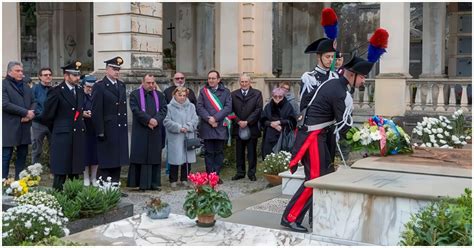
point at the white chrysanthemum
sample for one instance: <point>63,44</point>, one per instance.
<point>375,135</point>
<point>468,137</point>
<point>436,145</point>
<point>434,130</point>
<point>463,143</point>
<point>428,144</point>
<point>442,141</point>
<point>440,130</point>
<point>446,133</point>
<point>444,146</point>
<point>454,138</point>
<point>423,145</point>
<point>28,224</point>
<point>449,127</point>
<point>443,124</point>
<point>440,136</point>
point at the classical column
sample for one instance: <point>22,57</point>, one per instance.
<point>434,33</point>
<point>391,82</point>
<point>132,31</point>
<point>10,34</point>
<point>185,38</point>
<point>205,37</point>
<point>44,19</point>
<point>227,38</point>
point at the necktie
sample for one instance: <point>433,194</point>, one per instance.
<point>73,90</point>
<point>245,93</point>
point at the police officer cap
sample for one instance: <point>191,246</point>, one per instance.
<point>115,62</point>
<point>359,65</point>
<point>73,68</point>
<point>88,79</point>
<point>320,46</point>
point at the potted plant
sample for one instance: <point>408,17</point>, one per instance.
<point>273,164</point>
<point>157,209</point>
<point>205,200</point>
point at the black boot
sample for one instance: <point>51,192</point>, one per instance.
<point>293,226</point>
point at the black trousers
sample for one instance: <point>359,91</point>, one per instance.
<point>114,173</point>
<point>185,170</point>
<point>214,155</point>
<point>144,176</point>
<point>302,200</point>
<point>251,146</point>
<point>59,180</point>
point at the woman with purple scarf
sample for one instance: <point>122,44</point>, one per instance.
<point>149,110</point>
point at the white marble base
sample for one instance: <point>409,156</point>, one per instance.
<point>140,230</point>
<point>291,182</point>
<point>362,217</point>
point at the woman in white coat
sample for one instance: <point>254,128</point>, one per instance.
<point>181,120</point>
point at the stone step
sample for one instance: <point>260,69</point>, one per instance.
<point>291,182</point>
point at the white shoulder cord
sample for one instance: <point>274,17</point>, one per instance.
<point>309,81</point>
<point>346,120</point>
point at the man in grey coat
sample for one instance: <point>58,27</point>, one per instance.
<point>17,113</point>
<point>213,106</point>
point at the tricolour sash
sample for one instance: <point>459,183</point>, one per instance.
<point>218,106</point>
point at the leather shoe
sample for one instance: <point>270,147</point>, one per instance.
<point>155,188</point>
<point>124,195</point>
<point>293,226</point>
<point>253,178</point>
<point>237,177</point>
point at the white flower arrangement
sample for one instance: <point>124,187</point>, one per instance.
<point>31,223</point>
<point>34,170</point>
<point>39,198</point>
<point>442,132</point>
<point>276,163</point>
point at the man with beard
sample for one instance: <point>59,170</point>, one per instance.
<point>63,110</point>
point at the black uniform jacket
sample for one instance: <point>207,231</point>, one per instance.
<point>64,113</point>
<point>109,108</point>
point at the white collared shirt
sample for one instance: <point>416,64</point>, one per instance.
<point>70,86</point>
<point>113,82</point>
<point>244,92</point>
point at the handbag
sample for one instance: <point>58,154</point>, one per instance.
<point>192,144</point>
<point>286,141</point>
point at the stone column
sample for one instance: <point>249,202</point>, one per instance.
<point>132,31</point>
<point>44,20</point>
<point>11,49</point>
<point>185,38</point>
<point>227,38</point>
<point>434,32</point>
<point>391,82</point>
<point>205,37</point>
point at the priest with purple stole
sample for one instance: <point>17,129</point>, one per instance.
<point>149,110</point>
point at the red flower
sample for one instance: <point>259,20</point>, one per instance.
<point>213,179</point>
<point>198,179</point>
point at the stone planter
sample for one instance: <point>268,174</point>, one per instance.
<point>274,180</point>
<point>206,220</point>
<point>158,214</point>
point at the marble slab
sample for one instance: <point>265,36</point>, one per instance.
<point>408,164</point>
<point>385,183</point>
<point>360,217</point>
<point>140,230</point>
<point>291,182</point>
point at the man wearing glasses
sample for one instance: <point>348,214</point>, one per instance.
<point>179,80</point>
<point>109,108</point>
<point>39,128</point>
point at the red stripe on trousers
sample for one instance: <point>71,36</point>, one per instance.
<point>314,159</point>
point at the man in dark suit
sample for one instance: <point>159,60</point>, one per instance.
<point>247,105</point>
<point>17,113</point>
<point>63,110</point>
<point>109,108</point>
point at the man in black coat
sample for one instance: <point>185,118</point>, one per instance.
<point>149,109</point>
<point>63,109</point>
<point>179,80</point>
<point>109,108</point>
<point>17,113</point>
<point>247,106</point>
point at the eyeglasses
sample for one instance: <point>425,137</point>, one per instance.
<point>179,78</point>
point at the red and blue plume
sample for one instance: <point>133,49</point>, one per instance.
<point>378,43</point>
<point>329,23</point>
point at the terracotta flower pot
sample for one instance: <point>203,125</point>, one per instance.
<point>274,180</point>
<point>207,220</point>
